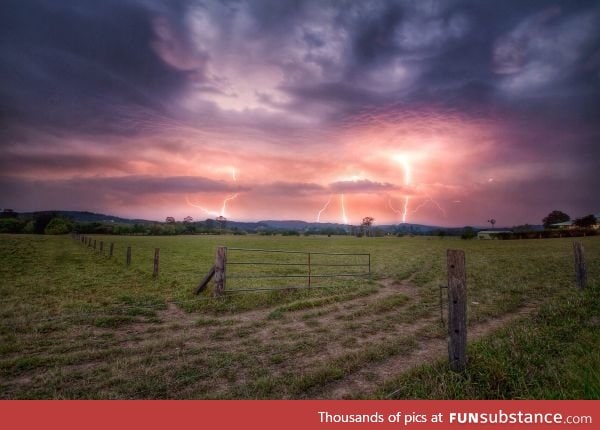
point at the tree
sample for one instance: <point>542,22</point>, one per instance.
<point>586,221</point>
<point>366,224</point>
<point>524,228</point>
<point>222,222</point>
<point>188,219</point>
<point>8,213</point>
<point>11,225</point>
<point>492,221</point>
<point>210,224</point>
<point>468,233</point>
<point>138,229</point>
<point>555,217</point>
<point>170,220</point>
<point>41,220</point>
<point>58,226</point>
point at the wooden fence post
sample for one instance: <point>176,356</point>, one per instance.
<point>128,258</point>
<point>110,250</point>
<point>220,265</point>
<point>309,283</point>
<point>156,257</point>
<point>94,244</point>
<point>202,285</point>
<point>101,247</point>
<point>580,269</point>
<point>457,310</point>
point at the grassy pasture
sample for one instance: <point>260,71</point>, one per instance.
<point>75,324</point>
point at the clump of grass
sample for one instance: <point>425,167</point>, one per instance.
<point>377,307</point>
<point>322,301</point>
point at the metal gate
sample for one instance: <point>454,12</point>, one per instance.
<point>255,269</point>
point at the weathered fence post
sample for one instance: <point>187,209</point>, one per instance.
<point>220,265</point>
<point>128,258</point>
<point>457,310</point>
<point>101,247</point>
<point>156,257</point>
<point>202,285</point>
<point>309,280</point>
<point>580,269</point>
<point>110,250</point>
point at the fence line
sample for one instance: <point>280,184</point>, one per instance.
<point>91,243</point>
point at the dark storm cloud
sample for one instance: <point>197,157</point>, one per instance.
<point>113,66</point>
<point>80,65</point>
<point>145,184</point>
<point>476,56</point>
<point>288,188</point>
<point>27,163</point>
<point>62,191</point>
<point>361,186</point>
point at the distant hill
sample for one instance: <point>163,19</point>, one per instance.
<point>279,225</point>
<point>301,225</point>
<point>84,216</point>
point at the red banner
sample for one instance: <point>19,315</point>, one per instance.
<point>310,414</point>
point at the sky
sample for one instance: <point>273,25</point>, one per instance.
<point>445,113</point>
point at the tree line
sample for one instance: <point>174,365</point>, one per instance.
<point>56,223</point>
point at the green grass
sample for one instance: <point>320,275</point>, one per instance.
<point>76,324</point>
<point>553,355</point>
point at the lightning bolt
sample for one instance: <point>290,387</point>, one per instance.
<point>228,199</point>
<point>224,207</point>
<point>225,201</point>
<point>344,217</point>
<point>208,212</point>
<point>402,211</point>
<point>433,202</point>
<point>324,207</point>
<point>407,180</point>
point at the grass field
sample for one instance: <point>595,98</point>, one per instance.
<point>75,324</point>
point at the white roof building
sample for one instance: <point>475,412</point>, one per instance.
<point>491,234</point>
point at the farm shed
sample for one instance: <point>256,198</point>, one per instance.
<point>566,225</point>
<point>491,234</point>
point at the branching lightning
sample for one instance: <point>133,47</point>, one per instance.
<point>403,160</point>
<point>207,211</point>
<point>433,202</point>
<point>224,206</point>
<point>225,201</point>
